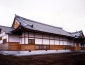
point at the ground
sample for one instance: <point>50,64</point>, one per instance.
<point>71,58</point>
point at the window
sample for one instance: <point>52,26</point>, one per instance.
<point>42,47</point>
<point>31,41</point>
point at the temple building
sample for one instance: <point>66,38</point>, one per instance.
<point>29,35</point>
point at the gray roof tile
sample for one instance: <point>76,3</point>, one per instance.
<point>6,29</point>
<point>40,26</point>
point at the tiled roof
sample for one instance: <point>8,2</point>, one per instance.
<point>77,34</point>
<point>6,29</point>
<point>30,24</point>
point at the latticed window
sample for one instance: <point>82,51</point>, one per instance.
<point>42,47</point>
<point>31,41</point>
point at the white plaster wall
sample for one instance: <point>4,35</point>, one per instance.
<point>26,40</point>
<point>65,43</point>
<point>51,42</point>
<point>56,42</point>
<point>31,38</point>
<point>45,41</point>
<point>3,33</point>
<point>1,41</point>
<point>4,36</point>
<point>38,41</point>
<point>7,37</point>
<point>22,41</point>
<point>61,43</point>
<point>13,38</point>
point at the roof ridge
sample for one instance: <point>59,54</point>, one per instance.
<point>76,31</point>
<point>5,26</point>
<point>37,22</point>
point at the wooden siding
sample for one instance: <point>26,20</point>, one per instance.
<point>73,48</point>
<point>15,24</point>
<point>77,48</point>
<point>14,46</point>
<point>4,46</point>
<point>59,47</point>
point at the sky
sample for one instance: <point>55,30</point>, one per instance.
<point>68,14</point>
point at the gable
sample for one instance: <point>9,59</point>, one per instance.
<point>82,35</point>
<point>15,24</point>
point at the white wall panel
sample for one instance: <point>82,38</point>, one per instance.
<point>31,38</point>
<point>38,41</point>
<point>3,33</point>
<point>45,41</point>
<point>13,38</point>
<point>65,43</point>
<point>56,42</point>
<point>70,43</point>
<point>26,40</point>
<point>4,37</point>
<point>61,42</point>
<point>22,40</point>
<point>51,42</point>
<point>1,41</point>
<point>7,37</point>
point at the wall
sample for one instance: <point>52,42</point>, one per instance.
<point>14,46</point>
<point>3,45</point>
<point>14,38</point>
<point>27,47</point>
<point>44,40</point>
<point>15,24</point>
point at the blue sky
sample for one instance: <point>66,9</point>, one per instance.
<point>68,14</point>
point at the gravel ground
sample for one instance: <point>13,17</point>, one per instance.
<point>70,58</point>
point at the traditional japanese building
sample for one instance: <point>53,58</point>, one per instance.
<point>29,35</point>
